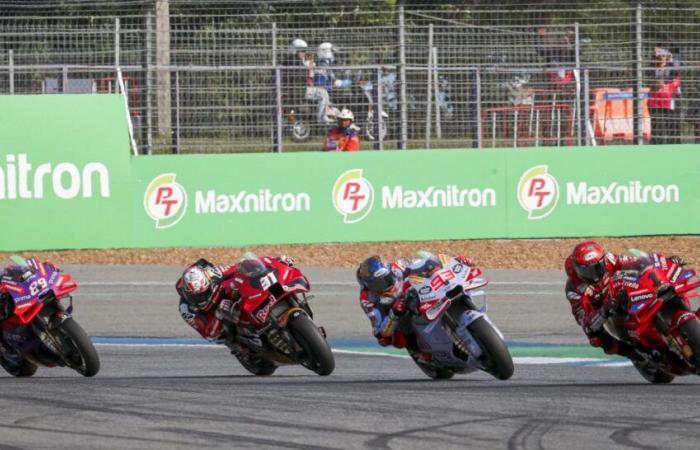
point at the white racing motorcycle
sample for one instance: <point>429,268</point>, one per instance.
<point>447,325</point>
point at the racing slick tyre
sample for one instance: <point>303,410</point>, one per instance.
<point>256,366</point>
<point>25,368</point>
<point>691,331</point>
<point>80,354</point>
<point>433,372</point>
<point>653,375</point>
<point>496,358</point>
<point>317,354</point>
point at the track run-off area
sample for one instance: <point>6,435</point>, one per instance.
<point>160,386</point>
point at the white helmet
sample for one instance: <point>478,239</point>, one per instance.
<point>298,45</point>
<point>345,114</point>
<point>196,287</point>
<point>325,51</point>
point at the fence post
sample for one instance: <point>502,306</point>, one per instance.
<point>176,115</point>
<point>11,62</point>
<point>577,75</point>
<point>117,27</point>
<point>587,107</point>
<point>434,75</point>
<point>402,78</point>
<point>638,122</point>
<point>163,59</point>
<point>429,93</point>
<point>64,79</point>
<point>277,146</point>
<point>380,110</point>
<point>149,83</point>
<point>479,130</point>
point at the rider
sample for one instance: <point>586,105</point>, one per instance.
<point>324,81</point>
<point>383,293</point>
<point>209,300</point>
<point>343,137</point>
<point>590,270</point>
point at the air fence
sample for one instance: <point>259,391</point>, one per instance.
<point>219,81</point>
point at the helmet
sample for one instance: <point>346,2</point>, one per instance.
<point>589,261</point>
<point>325,51</point>
<point>197,287</point>
<point>345,114</point>
<point>376,275</point>
<point>298,45</point>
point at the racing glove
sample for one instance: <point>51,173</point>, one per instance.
<point>225,311</point>
<point>288,260</point>
<point>465,260</point>
<point>677,260</point>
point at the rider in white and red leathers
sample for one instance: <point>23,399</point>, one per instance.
<point>383,293</point>
<point>593,295</point>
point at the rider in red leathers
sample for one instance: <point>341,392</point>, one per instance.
<point>383,293</point>
<point>209,303</point>
<point>592,293</point>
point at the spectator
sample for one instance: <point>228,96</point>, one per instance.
<point>343,137</point>
<point>324,81</point>
<point>666,86</point>
<point>295,80</point>
<point>558,51</point>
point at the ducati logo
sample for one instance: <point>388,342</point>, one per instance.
<point>165,200</point>
<point>353,196</point>
<point>538,192</point>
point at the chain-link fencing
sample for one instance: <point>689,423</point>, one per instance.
<point>217,76</point>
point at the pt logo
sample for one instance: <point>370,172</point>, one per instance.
<point>538,192</point>
<point>353,196</point>
<point>165,200</point>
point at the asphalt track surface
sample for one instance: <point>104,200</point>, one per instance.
<point>188,396</point>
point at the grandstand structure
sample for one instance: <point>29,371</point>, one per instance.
<point>208,76</point>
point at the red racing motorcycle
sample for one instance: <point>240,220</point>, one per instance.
<point>276,322</point>
<point>657,317</point>
<point>39,329</point>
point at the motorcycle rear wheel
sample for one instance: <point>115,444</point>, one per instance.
<point>317,353</point>
<point>256,366</point>
<point>496,358</point>
<point>652,375</point>
<point>87,362</point>
<point>691,331</point>
<point>432,372</point>
<point>25,369</point>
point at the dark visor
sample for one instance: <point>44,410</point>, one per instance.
<point>590,273</point>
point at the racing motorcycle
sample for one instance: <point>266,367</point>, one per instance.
<point>657,317</point>
<point>39,329</point>
<point>275,324</point>
<point>447,324</point>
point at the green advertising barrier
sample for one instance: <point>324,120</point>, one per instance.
<point>319,197</point>
<point>64,172</point>
<point>67,181</point>
<point>416,195</point>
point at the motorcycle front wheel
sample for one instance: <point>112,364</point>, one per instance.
<point>79,352</point>
<point>495,357</point>
<point>317,354</point>
<point>691,331</point>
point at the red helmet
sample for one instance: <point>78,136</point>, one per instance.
<point>589,261</point>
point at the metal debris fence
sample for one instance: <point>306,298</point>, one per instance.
<point>217,79</point>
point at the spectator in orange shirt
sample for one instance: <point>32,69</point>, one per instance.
<point>663,107</point>
<point>343,137</point>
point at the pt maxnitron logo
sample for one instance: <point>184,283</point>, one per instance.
<point>538,192</point>
<point>165,200</point>
<point>353,196</point>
